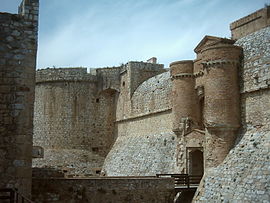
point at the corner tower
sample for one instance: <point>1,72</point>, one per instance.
<point>220,60</point>
<point>184,101</point>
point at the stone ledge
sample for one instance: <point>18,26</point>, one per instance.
<point>142,115</point>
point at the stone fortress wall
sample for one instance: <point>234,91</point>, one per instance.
<point>104,189</point>
<point>145,143</point>
<point>251,23</point>
<point>75,113</point>
<point>140,119</point>
<point>74,120</point>
<point>244,175</point>
<point>157,119</point>
<point>18,48</point>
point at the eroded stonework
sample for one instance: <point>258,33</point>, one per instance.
<point>18,48</point>
<point>208,116</point>
<point>205,116</point>
<point>244,176</point>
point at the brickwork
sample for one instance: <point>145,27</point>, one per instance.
<point>185,104</point>
<point>221,108</point>
<point>205,102</point>
<point>103,190</point>
<point>18,47</point>
<point>137,119</point>
<point>244,174</point>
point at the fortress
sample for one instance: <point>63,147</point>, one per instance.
<point>102,135</point>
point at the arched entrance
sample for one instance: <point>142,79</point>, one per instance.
<point>195,160</point>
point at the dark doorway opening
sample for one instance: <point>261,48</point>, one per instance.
<point>195,160</point>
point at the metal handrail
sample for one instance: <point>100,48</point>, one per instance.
<point>14,196</point>
<point>183,179</point>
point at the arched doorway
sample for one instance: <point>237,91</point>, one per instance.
<point>195,162</point>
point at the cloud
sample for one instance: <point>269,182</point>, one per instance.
<point>106,33</point>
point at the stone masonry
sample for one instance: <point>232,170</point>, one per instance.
<point>74,122</point>
<point>104,190</point>
<point>251,23</point>
<point>194,110</point>
<point>207,117</point>
<point>75,114</point>
<point>18,48</point>
<point>244,176</point>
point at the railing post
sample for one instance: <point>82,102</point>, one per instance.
<point>12,195</point>
<point>188,181</point>
<point>17,197</point>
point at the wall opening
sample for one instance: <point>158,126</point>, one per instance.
<point>202,112</point>
<point>195,162</point>
<point>200,94</point>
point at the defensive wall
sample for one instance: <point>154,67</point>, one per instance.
<point>18,48</point>
<point>162,119</point>
<point>146,144</point>
<point>225,88</point>
<point>103,190</point>
<point>251,23</point>
<point>75,114</point>
<point>244,175</point>
<point>74,121</point>
<point>205,116</point>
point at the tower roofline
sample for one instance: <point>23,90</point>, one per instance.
<point>214,40</point>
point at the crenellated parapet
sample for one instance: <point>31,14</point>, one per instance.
<point>29,10</point>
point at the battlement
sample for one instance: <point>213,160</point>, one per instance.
<point>29,9</point>
<point>64,74</point>
<point>250,23</point>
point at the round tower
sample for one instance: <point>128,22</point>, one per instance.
<point>184,101</point>
<point>72,120</point>
<point>221,110</point>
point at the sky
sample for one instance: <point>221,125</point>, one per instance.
<point>101,33</point>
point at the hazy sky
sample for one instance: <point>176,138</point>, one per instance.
<point>99,33</point>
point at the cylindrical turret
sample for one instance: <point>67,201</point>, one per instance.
<point>72,120</point>
<point>221,110</point>
<point>184,101</point>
